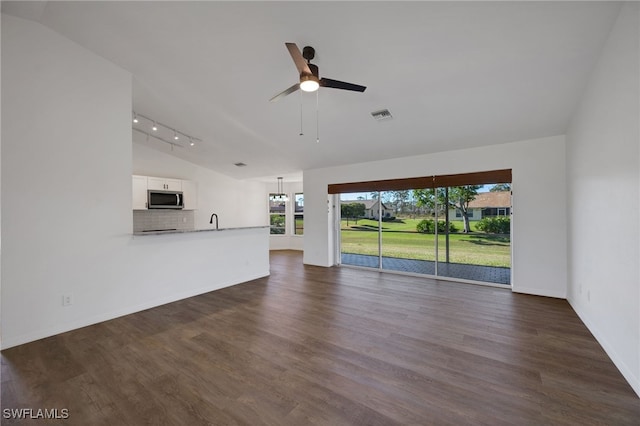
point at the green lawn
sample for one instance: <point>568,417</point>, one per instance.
<point>399,239</point>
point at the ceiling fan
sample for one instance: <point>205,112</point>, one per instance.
<point>309,79</point>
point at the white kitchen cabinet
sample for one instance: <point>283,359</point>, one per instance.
<point>190,195</point>
<point>139,185</point>
<point>164,184</point>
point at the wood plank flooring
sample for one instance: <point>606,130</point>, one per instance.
<point>328,346</point>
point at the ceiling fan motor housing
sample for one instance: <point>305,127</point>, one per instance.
<point>308,53</point>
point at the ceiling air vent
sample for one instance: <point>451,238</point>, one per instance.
<point>239,164</point>
<point>383,114</point>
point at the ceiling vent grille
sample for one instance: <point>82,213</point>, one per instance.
<point>381,115</point>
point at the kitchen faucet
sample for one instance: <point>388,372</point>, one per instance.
<point>211,220</point>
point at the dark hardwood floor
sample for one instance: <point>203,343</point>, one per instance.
<point>328,346</point>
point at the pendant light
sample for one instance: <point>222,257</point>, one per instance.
<point>280,196</point>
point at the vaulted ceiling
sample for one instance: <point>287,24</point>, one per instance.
<point>453,74</point>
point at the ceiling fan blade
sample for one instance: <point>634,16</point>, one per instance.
<point>298,59</point>
<point>336,84</point>
<point>285,92</point>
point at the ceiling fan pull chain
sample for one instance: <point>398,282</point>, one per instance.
<point>317,116</point>
<point>301,133</point>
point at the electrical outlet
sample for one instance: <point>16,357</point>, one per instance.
<point>67,299</point>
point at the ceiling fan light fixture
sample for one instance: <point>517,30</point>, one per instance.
<point>309,83</point>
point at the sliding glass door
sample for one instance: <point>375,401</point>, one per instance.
<point>404,247</point>
<point>359,230</point>
<point>474,238</point>
<point>457,232</point>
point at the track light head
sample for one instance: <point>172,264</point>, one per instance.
<point>161,131</point>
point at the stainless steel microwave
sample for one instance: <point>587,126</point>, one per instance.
<point>165,199</point>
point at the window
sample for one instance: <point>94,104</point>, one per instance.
<point>436,218</point>
<point>298,214</point>
<point>277,215</point>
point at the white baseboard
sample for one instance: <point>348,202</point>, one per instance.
<point>538,292</point>
<point>626,372</point>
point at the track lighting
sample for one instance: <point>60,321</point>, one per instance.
<point>160,131</point>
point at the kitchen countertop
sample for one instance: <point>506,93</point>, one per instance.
<point>185,231</point>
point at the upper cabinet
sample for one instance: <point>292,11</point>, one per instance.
<point>139,192</point>
<point>165,184</point>
<point>190,195</point>
<point>141,184</point>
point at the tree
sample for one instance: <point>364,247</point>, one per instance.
<point>459,198</point>
<point>352,210</point>
<point>400,199</point>
<point>425,198</point>
<point>346,211</point>
<point>500,187</point>
<point>358,210</point>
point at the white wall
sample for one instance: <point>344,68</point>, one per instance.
<point>603,186</point>
<point>237,203</point>
<point>288,241</point>
<point>65,159</point>
<point>539,203</point>
<point>66,199</point>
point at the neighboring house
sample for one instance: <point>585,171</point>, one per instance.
<point>371,208</point>
<point>486,204</point>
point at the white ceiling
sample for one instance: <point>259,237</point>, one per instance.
<point>453,74</point>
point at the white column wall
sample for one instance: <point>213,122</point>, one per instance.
<point>603,186</point>
<point>66,157</point>
<point>66,199</point>
<point>539,200</point>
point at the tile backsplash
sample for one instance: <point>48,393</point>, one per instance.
<point>148,220</point>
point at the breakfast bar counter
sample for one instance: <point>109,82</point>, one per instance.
<point>172,265</point>
<point>187,231</point>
